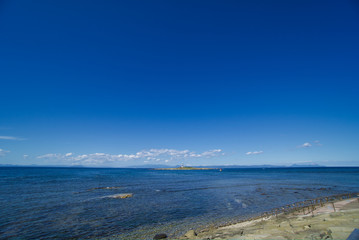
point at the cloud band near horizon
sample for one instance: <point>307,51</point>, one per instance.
<point>147,156</point>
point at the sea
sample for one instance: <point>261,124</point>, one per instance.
<point>78,203</point>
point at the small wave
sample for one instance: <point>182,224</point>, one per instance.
<point>98,188</point>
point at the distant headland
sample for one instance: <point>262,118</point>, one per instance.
<point>185,168</point>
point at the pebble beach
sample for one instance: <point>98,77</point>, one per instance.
<point>335,220</point>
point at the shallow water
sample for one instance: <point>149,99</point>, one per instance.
<point>66,203</point>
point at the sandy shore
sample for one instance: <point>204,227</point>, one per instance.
<point>332,221</point>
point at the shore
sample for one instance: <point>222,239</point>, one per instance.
<point>335,220</point>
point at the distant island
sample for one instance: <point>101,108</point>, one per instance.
<point>185,168</point>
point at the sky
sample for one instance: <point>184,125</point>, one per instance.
<point>130,83</point>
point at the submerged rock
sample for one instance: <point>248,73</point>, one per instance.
<point>120,195</point>
<point>160,236</point>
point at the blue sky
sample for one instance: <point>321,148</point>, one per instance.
<point>125,83</point>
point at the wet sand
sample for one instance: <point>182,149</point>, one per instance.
<point>331,221</point>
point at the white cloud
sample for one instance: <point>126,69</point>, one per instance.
<point>211,153</point>
<point>3,152</point>
<point>10,138</point>
<point>254,153</point>
<point>305,145</point>
<point>26,156</point>
<point>154,155</point>
<point>308,144</point>
<point>50,155</point>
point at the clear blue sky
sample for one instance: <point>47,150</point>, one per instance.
<point>122,83</point>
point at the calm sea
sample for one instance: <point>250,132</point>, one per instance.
<point>42,203</point>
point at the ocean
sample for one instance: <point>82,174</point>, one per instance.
<point>42,203</point>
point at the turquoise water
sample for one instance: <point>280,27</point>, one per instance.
<point>42,203</point>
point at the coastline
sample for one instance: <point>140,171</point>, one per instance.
<point>335,219</point>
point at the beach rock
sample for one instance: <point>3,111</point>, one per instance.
<point>285,224</point>
<point>160,236</point>
<point>336,214</point>
<point>190,234</point>
<point>314,236</point>
<point>326,234</point>
<point>306,227</point>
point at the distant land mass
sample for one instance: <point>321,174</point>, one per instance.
<point>44,166</point>
<point>264,166</point>
<point>169,167</point>
<point>185,168</point>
